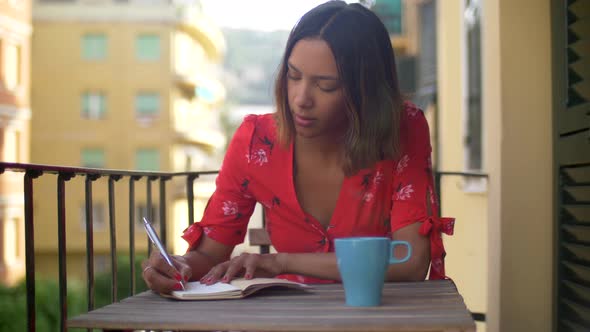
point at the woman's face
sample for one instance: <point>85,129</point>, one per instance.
<point>314,90</point>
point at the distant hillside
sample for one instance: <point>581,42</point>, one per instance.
<point>250,65</point>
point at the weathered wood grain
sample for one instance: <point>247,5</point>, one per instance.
<point>418,306</point>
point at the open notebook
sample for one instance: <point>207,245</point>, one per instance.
<point>237,288</point>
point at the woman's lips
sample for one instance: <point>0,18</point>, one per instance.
<point>303,121</point>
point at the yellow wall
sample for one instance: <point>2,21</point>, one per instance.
<point>467,248</point>
<point>518,117</point>
<point>501,255</point>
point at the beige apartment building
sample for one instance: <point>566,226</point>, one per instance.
<point>128,85</point>
<point>15,115</point>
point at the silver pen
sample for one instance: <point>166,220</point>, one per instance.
<point>156,241</point>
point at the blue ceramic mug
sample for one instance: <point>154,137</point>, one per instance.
<point>363,262</point>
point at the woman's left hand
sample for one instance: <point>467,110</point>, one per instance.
<point>247,265</point>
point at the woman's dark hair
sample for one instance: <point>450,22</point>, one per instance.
<point>366,66</point>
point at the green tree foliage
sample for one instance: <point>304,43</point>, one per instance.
<point>103,284</point>
<point>13,300</point>
<point>251,62</point>
<point>13,305</point>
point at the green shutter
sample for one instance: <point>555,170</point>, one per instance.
<point>94,158</point>
<point>147,160</point>
<point>147,104</point>
<point>571,51</point>
<point>94,46</point>
<point>147,47</point>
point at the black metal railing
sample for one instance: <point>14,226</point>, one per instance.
<point>65,174</point>
<point>438,175</point>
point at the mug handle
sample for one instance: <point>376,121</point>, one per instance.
<point>392,245</point>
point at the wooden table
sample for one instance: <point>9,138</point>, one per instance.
<point>415,306</point>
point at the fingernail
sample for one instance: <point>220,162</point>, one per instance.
<point>178,277</point>
<point>178,286</point>
<point>225,279</point>
<point>248,276</point>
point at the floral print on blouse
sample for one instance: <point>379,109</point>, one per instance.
<point>376,201</point>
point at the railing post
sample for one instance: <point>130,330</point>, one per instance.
<point>113,231</point>
<point>61,243</point>
<point>190,197</point>
<point>90,238</point>
<point>132,180</point>
<point>149,215</point>
<point>163,223</point>
<point>30,246</point>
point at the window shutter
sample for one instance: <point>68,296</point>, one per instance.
<point>572,154</point>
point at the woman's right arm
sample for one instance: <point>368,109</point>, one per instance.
<point>225,219</point>
<point>162,278</point>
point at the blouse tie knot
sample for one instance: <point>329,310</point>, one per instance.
<point>444,225</point>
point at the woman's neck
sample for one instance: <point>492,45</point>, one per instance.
<point>324,149</point>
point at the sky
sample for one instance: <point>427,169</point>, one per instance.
<point>265,15</point>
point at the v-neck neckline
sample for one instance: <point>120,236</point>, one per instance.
<point>305,214</point>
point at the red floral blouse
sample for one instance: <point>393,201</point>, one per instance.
<point>376,201</point>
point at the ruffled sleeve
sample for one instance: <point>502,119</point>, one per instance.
<point>229,209</point>
<point>414,198</point>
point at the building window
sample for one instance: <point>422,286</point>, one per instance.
<point>12,66</point>
<point>147,160</point>
<point>147,105</point>
<point>93,105</point>
<point>94,46</point>
<point>472,91</point>
<point>147,47</point>
<point>93,158</point>
<point>98,216</point>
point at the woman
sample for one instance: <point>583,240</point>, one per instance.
<point>342,156</point>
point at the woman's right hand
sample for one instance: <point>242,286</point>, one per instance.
<point>163,278</point>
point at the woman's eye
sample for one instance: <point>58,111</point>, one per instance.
<point>292,76</point>
<point>326,87</point>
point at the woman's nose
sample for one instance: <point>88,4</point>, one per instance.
<point>302,97</point>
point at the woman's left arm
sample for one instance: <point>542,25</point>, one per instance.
<point>324,265</point>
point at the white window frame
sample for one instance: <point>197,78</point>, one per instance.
<point>95,100</point>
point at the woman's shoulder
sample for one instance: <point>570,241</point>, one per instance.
<point>256,125</point>
<point>411,112</point>
<point>414,130</point>
<point>412,118</point>
<point>261,122</point>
